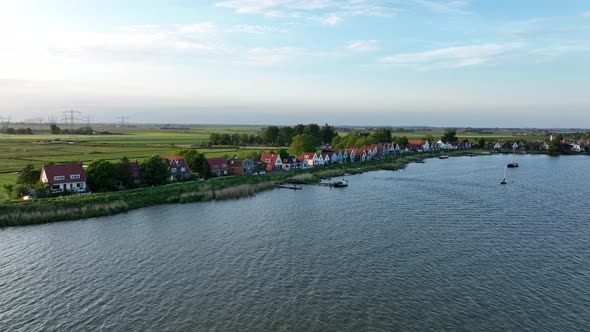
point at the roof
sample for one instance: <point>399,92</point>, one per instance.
<point>219,162</point>
<point>420,143</point>
<point>309,155</point>
<point>236,162</point>
<point>64,170</point>
<point>270,158</point>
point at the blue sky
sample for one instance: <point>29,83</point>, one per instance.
<point>358,62</point>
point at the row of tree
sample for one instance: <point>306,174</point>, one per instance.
<point>19,131</point>
<point>86,130</point>
<point>277,136</point>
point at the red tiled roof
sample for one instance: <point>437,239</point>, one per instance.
<point>65,170</point>
<point>220,162</point>
<point>269,158</point>
<point>309,155</point>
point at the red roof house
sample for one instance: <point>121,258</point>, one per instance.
<point>66,177</point>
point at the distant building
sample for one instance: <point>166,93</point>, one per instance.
<point>66,177</point>
<point>240,166</point>
<point>273,162</point>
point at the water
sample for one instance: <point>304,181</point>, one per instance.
<point>438,246</point>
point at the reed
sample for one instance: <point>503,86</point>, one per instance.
<point>302,178</point>
<point>36,216</point>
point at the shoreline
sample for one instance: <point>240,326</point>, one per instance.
<point>70,208</point>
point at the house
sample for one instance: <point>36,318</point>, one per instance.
<point>514,146</point>
<point>351,154</point>
<point>135,172</point>
<point>309,159</point>
<point>422,145</point>
<point>498,146</point>
<point>217,166</point>
<point>240,166</point>
<point>66,177</point>
<point>273,162</point>
<point>334,157</point>
<point>327,158</point>
<point>538,145</point>
<point>178,168</point>
<point>291,162</point>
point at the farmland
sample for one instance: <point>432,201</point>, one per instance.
<point>135,143</point>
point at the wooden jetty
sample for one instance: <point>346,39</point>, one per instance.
<point>291,186</point>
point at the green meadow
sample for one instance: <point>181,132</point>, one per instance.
<point>135,143</point>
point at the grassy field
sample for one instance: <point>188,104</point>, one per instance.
<point>135,143</point>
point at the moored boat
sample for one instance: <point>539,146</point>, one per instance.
<point>341,183</point>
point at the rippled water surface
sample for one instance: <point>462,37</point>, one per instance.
<point>438,246</point>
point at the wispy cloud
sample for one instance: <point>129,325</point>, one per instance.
<point>328,12</point>
<point>451,57</point>
<point>256,29</point>
<point>445,7</point>
<point>363,45</point>
<point>562,49</point>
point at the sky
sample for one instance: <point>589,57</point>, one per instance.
<point>479,63</point>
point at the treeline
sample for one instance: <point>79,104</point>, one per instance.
<point>277,136</point>
<point>357,139</point>
<point>19,131</point>
<point>86,130</point>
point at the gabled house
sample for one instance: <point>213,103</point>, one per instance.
<point>334,157</point>
<point>240,166</point>
<point>66,177</point>
<point>498,146</point>
<point>178,168</point>
<point>309,159</point>
<point>422,145</point>
<point>514,146</point>
<point>351,154</point>
<point>273,162</point>
<point>291,162</point>
<point>217,166</point>
<point>327,158</point>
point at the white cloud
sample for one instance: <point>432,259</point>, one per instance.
<point>256,29</point>
<point>451,57</point>
<point>308,9</point>
<point>363,45</point>
<point>331,19</point>
<point>558,50</point>
<point>444,7</point>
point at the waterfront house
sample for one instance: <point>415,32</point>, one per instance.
<point>514,146</point>
<point>135,172</point>
<point>66,177</point>
<point>177,168</point>
<point>422,145</point>
<point>327,158</point>
<point>350,154</point>
<point>217,166</point>
<point>273,162</point>
<point>240,166</point>
<point>291,162</point>
<point>309,159</point>
<point>334,156</point>
<point>537,145</point>
<point>498,146</point>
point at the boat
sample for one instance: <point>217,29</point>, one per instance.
<point>513,163</point>
<point>341,183</point>
<point>419,161</point>
<point>444,156</point>
<point>504,181</point>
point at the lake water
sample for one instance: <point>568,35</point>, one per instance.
<point>438,246</point>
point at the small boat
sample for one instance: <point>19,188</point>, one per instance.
<point>444,156</point>
<point>504,181</point>
<point>513,163</point>
<point>419,161</point>
<point>341,183</point>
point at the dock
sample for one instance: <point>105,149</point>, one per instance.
<point>289,186</point>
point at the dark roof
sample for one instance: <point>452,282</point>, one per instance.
<point>64,170</point>
<point>219,162</point>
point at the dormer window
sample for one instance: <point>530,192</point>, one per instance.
<point>59,178</point>
<point>74,176</point>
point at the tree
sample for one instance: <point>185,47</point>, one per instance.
<point>337,142</point>
<point>8,190</point>
<point>382,135</point>
<point>55,129</point>
<point>302,143</point>
<point>214,139</point>
<point>100,175</point>
<point>285,136</point>
<point>123,173</point>
<point>429,138</point>
<point>312,130</point>
<point>284,154</point>
<point>327,133</point>
<point>555,144</point>
<point>450,135</point>
<point>154,170</point>
<point>270,135</point>
<point>481,142</point>
<point>20,191</point>
<point>403,141</point>
<point>29,176</point>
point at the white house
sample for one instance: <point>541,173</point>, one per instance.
<point>67,177</point>
<point>497,146</point>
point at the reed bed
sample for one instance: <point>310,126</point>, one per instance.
<point>26,217</point>
<point>235,192</point>
<point>302,178</point>
<point>330,173</point>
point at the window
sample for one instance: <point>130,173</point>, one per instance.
<point>75,176</point>
<point>173,170</point>
<point>183,169</point>
<point>59,177</point>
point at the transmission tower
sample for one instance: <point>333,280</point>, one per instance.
<point>122,119</point>
<point>71,117</point>
<point>5,122</point>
